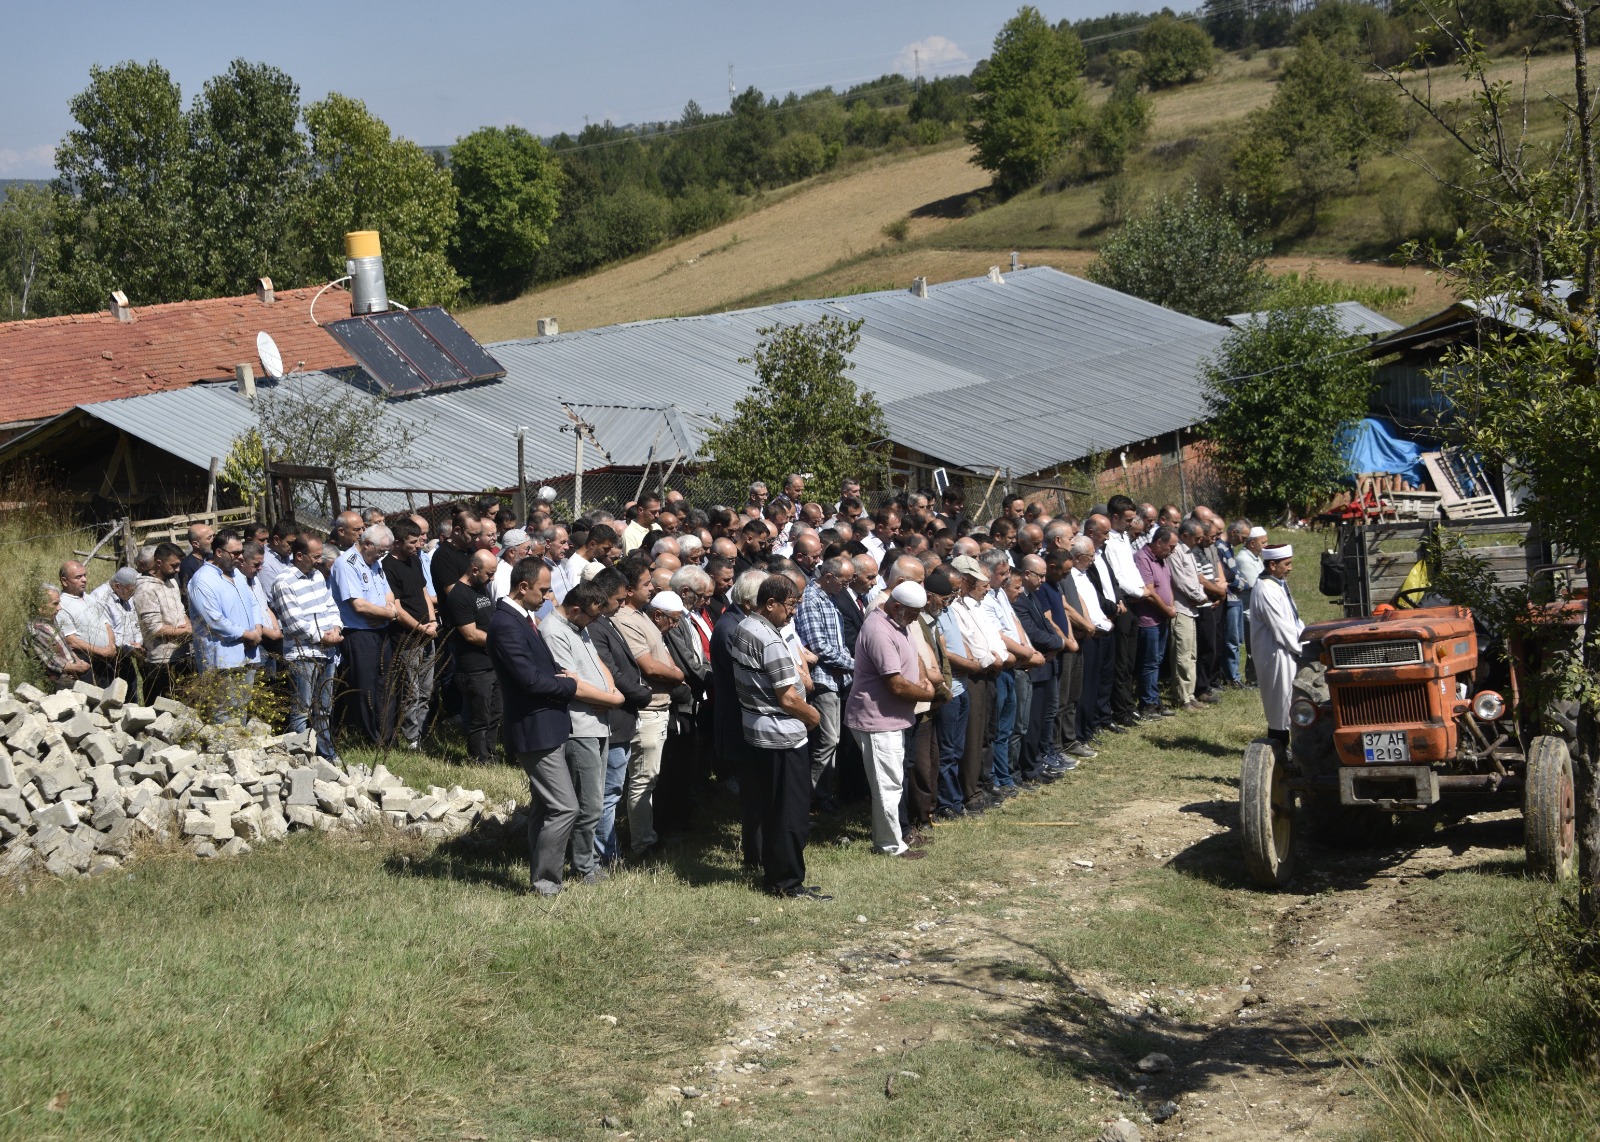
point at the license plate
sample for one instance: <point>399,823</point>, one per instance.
<point>1387,747</point>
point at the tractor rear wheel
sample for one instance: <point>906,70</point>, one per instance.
<point>1549,809</point>
<point>1266,816</point>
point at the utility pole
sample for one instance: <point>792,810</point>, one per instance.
<point>731,90</point>
<point>916,54</point>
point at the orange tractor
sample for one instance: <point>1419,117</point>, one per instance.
<point>1400,712</point>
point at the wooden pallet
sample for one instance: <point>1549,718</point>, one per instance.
<point>1463,489</point>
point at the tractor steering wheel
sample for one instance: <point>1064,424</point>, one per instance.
<point>1411,597</point>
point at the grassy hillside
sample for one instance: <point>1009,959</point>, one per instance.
<point>878,226</point>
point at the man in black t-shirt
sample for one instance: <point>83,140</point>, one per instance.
<point>413,632</point>
<point>454,553</point>
<point>468,608</point>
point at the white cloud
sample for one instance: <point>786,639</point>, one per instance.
<point>33,162</point>
<point>933,51</point>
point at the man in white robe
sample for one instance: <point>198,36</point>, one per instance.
<point>1275,629</point>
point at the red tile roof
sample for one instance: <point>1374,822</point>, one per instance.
<point>50,364</point>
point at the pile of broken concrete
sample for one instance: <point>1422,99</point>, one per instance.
<point>84,775</point>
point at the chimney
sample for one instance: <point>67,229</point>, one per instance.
<point>919,287</point>
<point>245,377</point>
<point>364,263</point>
<point>266,296</point>
<point>1013,261</point>
<point>548,327</point>
<point>119,306</point>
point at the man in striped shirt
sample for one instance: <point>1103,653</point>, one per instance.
<point>821,631</point>
<point>311,637</point>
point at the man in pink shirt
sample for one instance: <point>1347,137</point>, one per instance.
<point>882,707</point>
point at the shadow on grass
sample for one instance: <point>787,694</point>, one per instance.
<point>951,207</point>
<point>1086,1038</point>
<point>1194,743</point>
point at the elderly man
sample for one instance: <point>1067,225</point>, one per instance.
<point>1126,586</point>
<point>312,633</point>
<point>1154,613</point>
<point>980,636</point>
<point>889,682</point>
<point>367,608</point>
<point>347,528</point>
<point>200,537</point>
<point>1248,557</point>
<point>1013,688</point>
<point>84,624</point>
<point>1086,612</point>
<point>115,598</point>
<point>227,626</point>
<point>775,717</point>
<point>62,665</point>
<point>515,546</point>
<point>820,625</point>
<point>1189,600</point>
<point>1275,632</point>
<point>163,622</point>
<point>1033,611</point>
<point>621,721</point>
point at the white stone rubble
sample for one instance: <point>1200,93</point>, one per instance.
<point>84,774</point>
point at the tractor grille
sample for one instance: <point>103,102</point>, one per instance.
<point>1405,704</point>
<point>1377,653</point>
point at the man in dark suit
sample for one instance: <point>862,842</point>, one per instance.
<point>1044,678</point>
<point>852,613</point>
<point>534,695</point>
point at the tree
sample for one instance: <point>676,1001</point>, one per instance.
<point>27,225</point>
<point>1175,51</point>
<point>367,180</point>
<point>122,191</point>
<point>1324,119</point>
<point>1283,391</point>
<point>1534,401</point>
<point>249,166</point>
<point>1186,254</point>
<point>1029,103</point>
<point>1119,125</point>
<point>323,424</point>
<point>803,380</point>
<point>508,191</point>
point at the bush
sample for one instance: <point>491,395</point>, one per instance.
<point>1187,254</point>
<point>702,207</point>
<point>1174,52</point>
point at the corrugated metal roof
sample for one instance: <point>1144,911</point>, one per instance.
<point>1038,369</point>
<point>1353,318</point>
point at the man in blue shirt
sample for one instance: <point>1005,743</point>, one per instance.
<point>227,623</point>
<point>366,608</point>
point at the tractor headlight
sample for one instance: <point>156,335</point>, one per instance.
<point>1488,706</point>
<point>1302,713</point>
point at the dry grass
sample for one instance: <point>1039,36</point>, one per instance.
<point>802,234</point>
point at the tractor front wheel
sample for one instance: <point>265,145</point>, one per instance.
<point>1266,816</point>
<point>1549,809</point>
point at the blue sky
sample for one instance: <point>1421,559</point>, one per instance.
<point>435,71</point>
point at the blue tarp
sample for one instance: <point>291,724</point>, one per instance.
<point>1375,446</point>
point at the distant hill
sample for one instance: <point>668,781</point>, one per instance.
<point>7,183</point>
<point>878,225</point>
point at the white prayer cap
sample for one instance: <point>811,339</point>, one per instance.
<point>591,569</point>
<point>547,495</point>
<point>910,594</point>
<point>669,602</point>
<point>1257,532</point>
<point>1284,552</point>
<point>516,537</point>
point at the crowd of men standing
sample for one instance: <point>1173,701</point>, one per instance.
<point>792,654</point>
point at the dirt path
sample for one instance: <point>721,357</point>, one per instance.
<point>1249,1060</point>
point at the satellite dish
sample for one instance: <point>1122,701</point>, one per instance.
<point>271,359</point>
